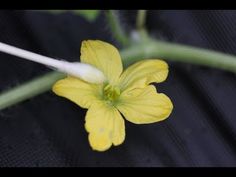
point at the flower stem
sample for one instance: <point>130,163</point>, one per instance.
<point>145,50</point>
<point>140,26</point>
<point>29,89</point>
<point>116,27</point>
<point>141,19</point>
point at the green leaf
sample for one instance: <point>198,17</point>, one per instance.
<point>90,15</point>
<point>56,11</point>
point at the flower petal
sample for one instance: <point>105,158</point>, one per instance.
<point>104,56</point>
<point>105,126</point>
<point>78,91</point>
<point>142,73</point>
<point>143,106</point>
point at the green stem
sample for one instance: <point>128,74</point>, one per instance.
<point>29,89</point>
<point>116,27</point>
<point>141,18</point>
<point>140,25</point>
<point>146,50</point>
<point>180,53</point>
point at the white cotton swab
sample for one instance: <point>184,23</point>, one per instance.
<point>84,71</point>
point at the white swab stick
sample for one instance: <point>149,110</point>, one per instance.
<point>77,69</point>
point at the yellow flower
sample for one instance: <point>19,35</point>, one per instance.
<point>127,93</point>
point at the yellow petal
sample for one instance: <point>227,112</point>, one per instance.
<point>105,126</point>
<point>99,142</point>
<point>104,56</point>
<point>142,73</point>
<point>78,91</point>
<point>143,106</point>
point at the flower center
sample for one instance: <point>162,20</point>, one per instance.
<point>111,93</point>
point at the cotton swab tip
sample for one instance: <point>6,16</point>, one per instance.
<point>84,71</point>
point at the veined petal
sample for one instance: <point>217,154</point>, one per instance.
<point>105,126</point>
<point>78,91</point>
<point>145,105</point>
<point>142,73</point>
<point>104,56</point>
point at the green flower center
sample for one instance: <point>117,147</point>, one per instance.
<point>111,93</point>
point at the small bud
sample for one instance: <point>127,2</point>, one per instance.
<point>135,36</point>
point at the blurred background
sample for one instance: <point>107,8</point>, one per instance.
<point>49,130</point>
